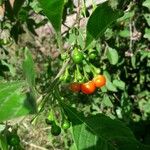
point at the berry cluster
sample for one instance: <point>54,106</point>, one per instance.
<point>90,86</point>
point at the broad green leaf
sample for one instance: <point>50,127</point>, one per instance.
<point>129,143</point>
<point>110,86</point>
<point>144,106</point>
<point>73,147</point>
<point>106,101</point>
<point>119,84</point>
<point>3,142</point>
<point>107,75</point>
<point>35,6</point>
<point>99,21</point>
<point>17,6</point>
<point>146,3</point>
<point>124,33</point>
<point>147,17</point>
<point>126,16</point>
<point>53,9</point>
<point>100,132</point>
<point>143,94</point>
<point>112,56</point>
<point>14,101</point>
<point>28,68</point>
<point>11,68</point>
<point>9,11</point>
<point>147,33</point>
<point>81,134</point>
<point>109,33</point>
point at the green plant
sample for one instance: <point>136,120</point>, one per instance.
<point>114,41</point>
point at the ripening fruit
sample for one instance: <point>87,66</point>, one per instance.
<point>92,55</point>
<point>75,87</point>
<point>99,81</point>
<point>88,87</point>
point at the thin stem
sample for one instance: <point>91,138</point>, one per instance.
<point>59,40</point>
<point>131,44</point>
<point>62,69</point>
<point>85,74</point>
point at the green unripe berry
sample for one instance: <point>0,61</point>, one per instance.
<point>66,125</point>
<point>77,56</point>
<point>55,130</point>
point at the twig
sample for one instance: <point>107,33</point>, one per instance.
<point>62,69</point>
<point>66,26</point>
<point>116,97</point>
<point>33,145</point>
<point>130,46</point>
<point>78,14</point>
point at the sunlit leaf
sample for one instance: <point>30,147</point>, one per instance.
<point>28,68</point>
<point>100,132</point>
<point>100,20</point>
<point>112,56</point>
<point>15,101</point>
<point>53,9</point>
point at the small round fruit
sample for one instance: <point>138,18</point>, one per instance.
<point>75,87</point>
<point>99,81</point>
<point>88,87</point>
<point>13,140</point>
<point>92,55</point>
<point>77,56</point>
<point>55,130</point>
<point>66,125</point>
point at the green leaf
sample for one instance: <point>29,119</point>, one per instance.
<point>3,142</point>
<point>53,9</point>
<point>14,102</point>
<point>1,2</point>
<point>28,68</point>
<point>133,61</point>
<point>147,17</point>
<point>100,132</point>
<point>112,56</point>
<point>126,16</point>
<point>146,3</point>
<point>9,11</point>
<point>17,6</point>
<point>2,127</point>
<point>147,33</point>
<point>11,68</point>
<point>124,33</point>
<point>119,84</point>
<point>110,86</point>
<point>107,75</point>
<point>106,101</point>
<point>35,6</point>
<point>99,21</point>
